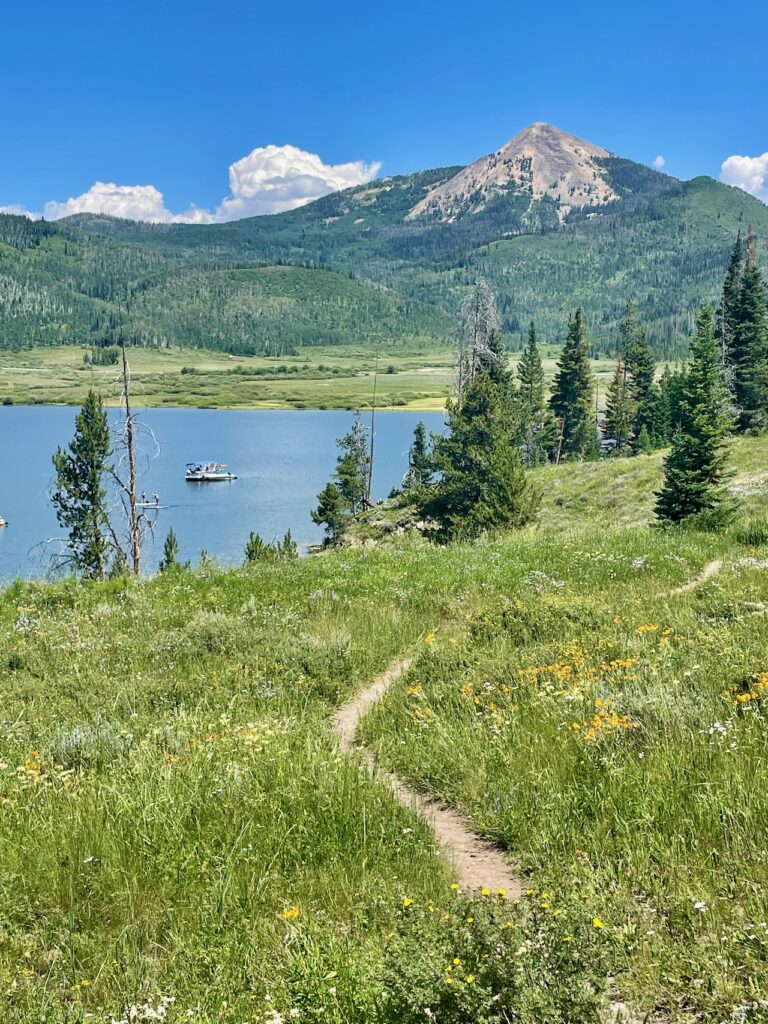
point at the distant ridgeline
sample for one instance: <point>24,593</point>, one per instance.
<point>550,221</point>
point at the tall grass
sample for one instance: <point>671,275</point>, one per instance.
<point>181,840</point>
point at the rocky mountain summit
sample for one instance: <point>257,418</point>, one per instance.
<point>542,161</point>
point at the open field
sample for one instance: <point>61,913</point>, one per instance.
<point>340,377</point>
<point>179,821</point>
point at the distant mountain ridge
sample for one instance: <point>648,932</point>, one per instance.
<point>552,221</point>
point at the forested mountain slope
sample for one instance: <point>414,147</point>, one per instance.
<point>606,230</point>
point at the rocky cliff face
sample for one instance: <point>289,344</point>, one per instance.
<point>542,161</point>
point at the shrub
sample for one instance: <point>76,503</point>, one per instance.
<point>753,533</point>
<point>490,962</point>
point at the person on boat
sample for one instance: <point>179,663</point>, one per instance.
<point>143,497</point>
<point>155,498</point>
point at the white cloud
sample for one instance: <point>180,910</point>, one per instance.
<point>133,202</point>
<point>275,178</point>
<point>747,172</point>
<point>269,179</point>
<point>19,211</point>
<point>659,162</point>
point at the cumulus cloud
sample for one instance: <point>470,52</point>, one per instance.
<point>268,180</point>
<point>747,172</point>
<point>19,211</point>
<point>275,178</point>
<point>659,162</point>
<point>133,202</point>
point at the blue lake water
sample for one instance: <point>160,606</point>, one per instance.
<point>282,458</point>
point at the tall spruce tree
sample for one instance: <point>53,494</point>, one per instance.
<point>79,497</point>
<point>483,484</point>
<point>750,347</point>
<point>641,372</point>
<point>332,513</point>
<point>537,429</point>
<point>346,493</point>
<point>170,559</point>
<point>352,466</point>
<point>728,310</point>
<point>695,469</point>
<point>573,395</point>
<point>620,410</point>
<point>669,404</point>
<point>420,469</point>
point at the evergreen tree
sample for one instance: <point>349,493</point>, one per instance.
<point>620,410</point>
<point>643,443</point>
<point>669,404</point>
<point>346,494</point>
<point>497,367</point>
<point>170,553</point>
<point>750,348</point>
<point>256,550</point>
<point>288,548</point>
<point>351,473</point>
<point>537,429</point>
<point>641,371</point>
<point>420,469</point>
<point>483,484</point>
<point>728,310</point>
<point>573,395</point>
<point>332,512</point>
<point>695,469</point>
<point>79,498</point>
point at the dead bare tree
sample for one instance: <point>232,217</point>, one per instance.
<point>479,323</point>
<point>125,473</point>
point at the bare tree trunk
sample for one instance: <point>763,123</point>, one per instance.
<point>134,525</point>
<point>373,428</point>
<point>559,453</point>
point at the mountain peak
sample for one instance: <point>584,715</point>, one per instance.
<point>541,160</point>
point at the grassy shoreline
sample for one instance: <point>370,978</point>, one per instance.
<point>416,378</point>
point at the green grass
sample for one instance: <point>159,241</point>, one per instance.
<point>416,376</point>
<point>178,822</point>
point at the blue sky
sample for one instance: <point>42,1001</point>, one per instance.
<point>170,93</point>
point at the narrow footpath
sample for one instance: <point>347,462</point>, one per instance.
<point>706,573</point>
<point>477,863</point>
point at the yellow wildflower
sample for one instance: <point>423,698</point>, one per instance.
<point>290,913</point>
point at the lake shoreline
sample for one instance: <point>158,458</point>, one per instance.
<point>282,459</point>
<point>428,405</point>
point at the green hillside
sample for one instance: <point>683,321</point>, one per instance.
<point>361,272</point>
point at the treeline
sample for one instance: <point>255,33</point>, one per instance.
<point>663,244</point>
<point>474,478</point>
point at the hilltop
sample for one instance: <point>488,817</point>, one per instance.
<point>550,219</point>
<point>542,161</point>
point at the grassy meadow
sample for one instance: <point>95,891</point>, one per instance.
<point>415,376</point>
<point>182,840</point>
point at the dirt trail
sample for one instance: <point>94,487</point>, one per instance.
<point>477,862</point>
<point>704,575</point>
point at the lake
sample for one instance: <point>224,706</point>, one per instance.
<point>282,458</point>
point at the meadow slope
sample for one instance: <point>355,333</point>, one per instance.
<point>179,822</point>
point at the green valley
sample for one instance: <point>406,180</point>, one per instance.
<point>358,268</point>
